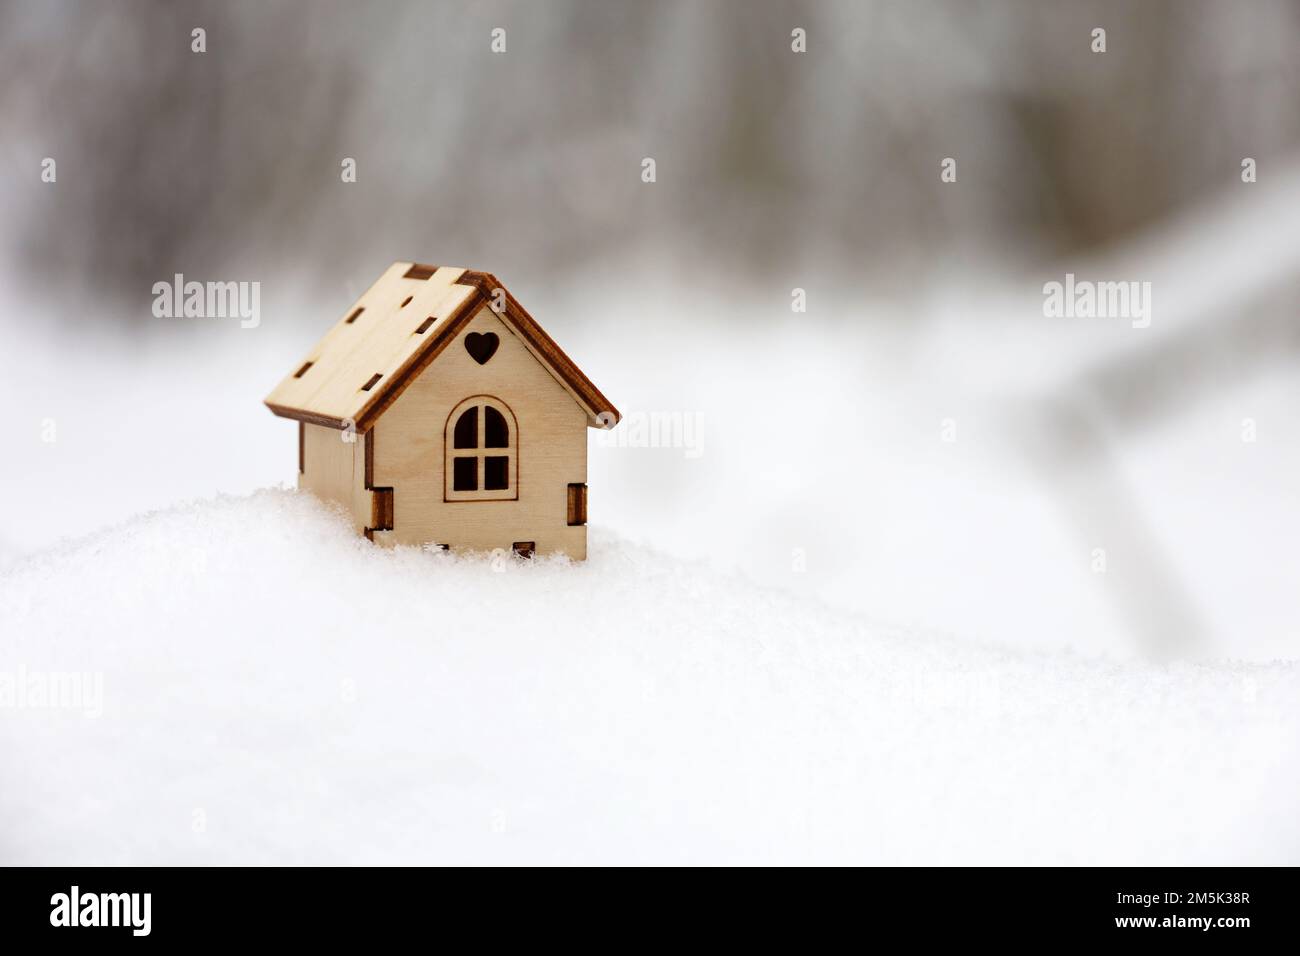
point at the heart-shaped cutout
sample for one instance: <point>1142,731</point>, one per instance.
<point>481,346</point>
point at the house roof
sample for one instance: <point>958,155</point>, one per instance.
<point>395,330</point>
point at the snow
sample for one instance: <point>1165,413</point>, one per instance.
<point>277,690</point>
<point>964,536</point>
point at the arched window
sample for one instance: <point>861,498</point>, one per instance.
<point>482,451</point>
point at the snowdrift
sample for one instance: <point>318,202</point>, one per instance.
<point>243,680</point>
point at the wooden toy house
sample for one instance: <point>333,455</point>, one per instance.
<point>437,411</point>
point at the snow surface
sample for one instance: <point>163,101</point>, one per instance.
<point>278,690</point>
<point>961,536</point>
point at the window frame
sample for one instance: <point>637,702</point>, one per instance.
<point>480,452</point>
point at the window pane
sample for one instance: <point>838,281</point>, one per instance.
<point>496,432</point>
<point>466,433</point>
<point>496,473</point>
<point>464,474</point>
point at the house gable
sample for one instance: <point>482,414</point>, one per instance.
<point>413,449</point>
<point>396,330</point>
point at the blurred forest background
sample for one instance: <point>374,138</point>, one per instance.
<point>530,160</point>
<point>923,443</point>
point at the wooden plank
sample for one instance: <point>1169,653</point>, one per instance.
<point>333,470</point>
<point>390,347</point>
<point>448,316</point>
<point>565,370</point>
<point>550,436</point>
<point>380,340</point>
